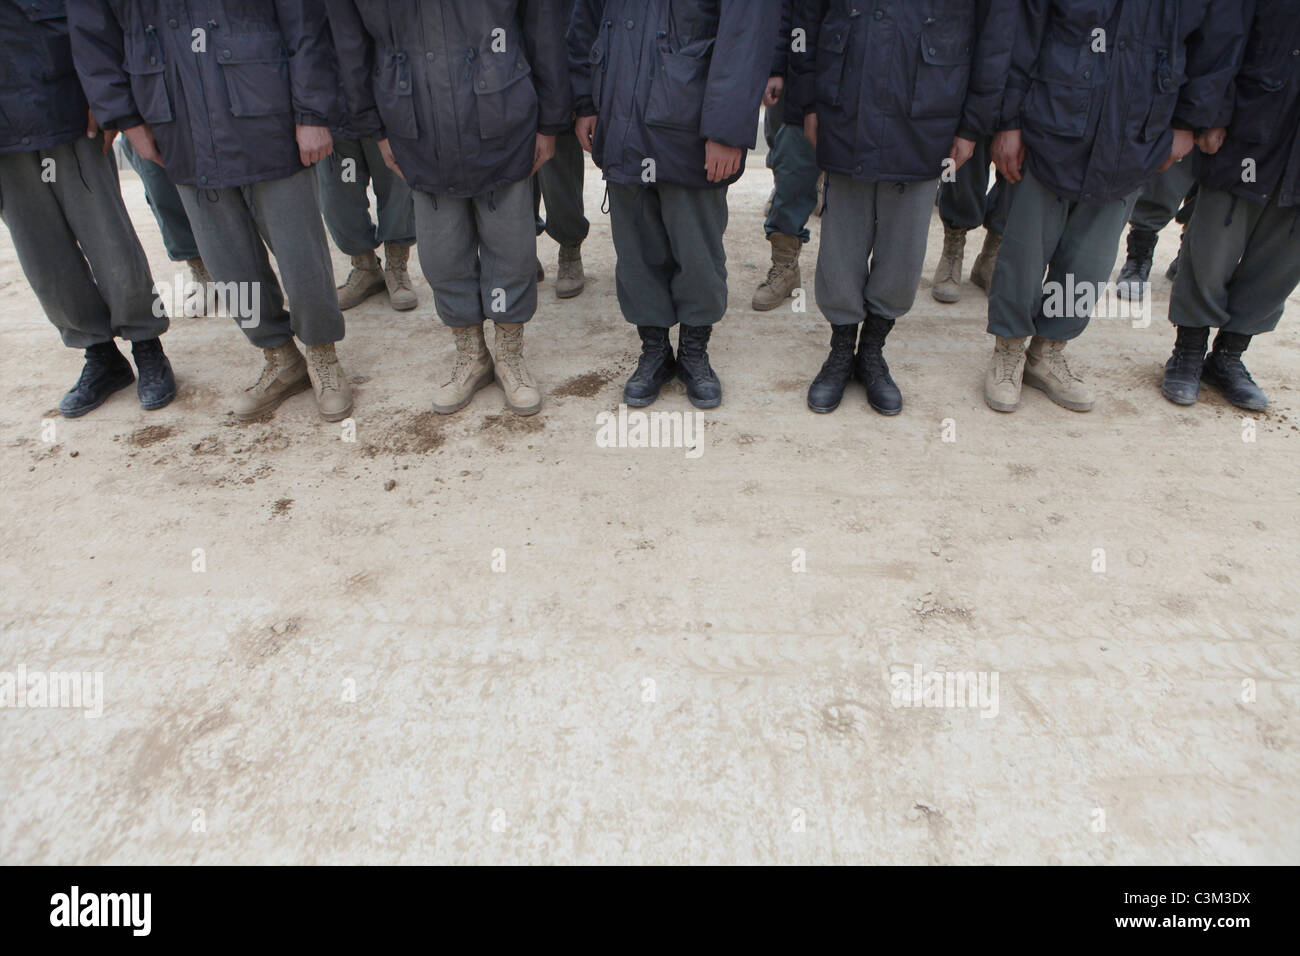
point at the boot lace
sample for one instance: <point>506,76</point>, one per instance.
<point>1060,366</point>
<point>1008,360</point>
<point>326,371</point>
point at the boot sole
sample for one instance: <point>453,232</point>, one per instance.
<point>403,308</point>
<point>524,411</point>
<point>1033,381</point>
<point>483,382</point>
<point>382,287</point>
<point>1244,406</point>
<point>570,293</point>
<point>947,298</point>
<point>86,410</point>
<point>824,409</point>
<point>888,412</point>
<point>337,416</point>
<point>263,410</point>
<point>1000,406</point>
<point>159,403</point>
<point>1178,399</point>
<point>703,404</point>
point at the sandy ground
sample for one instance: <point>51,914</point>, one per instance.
<point>681,659</point>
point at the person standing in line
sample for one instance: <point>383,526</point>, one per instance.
<point>668,93</point>
<point>559,185</point>
<point>1242,248</point>
<point>793,162</point>
<point>344,178</point>
<point>967,202</point>
<point>884,137</point>
<point>1170,195</point>
<point>61,200</point>
<point>1102,95</point>
<point>465,99</point>
<point>233,100</point>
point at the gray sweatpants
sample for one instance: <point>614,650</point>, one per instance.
<point>1069,241</point>
<point>234,228</point>
<point>672,266</point>
<point>873,239</point>
<point>343,177</point>
<point>1241,262</point>
<point>76,243</point>
<point>559,184</point>
<point>479,254</point>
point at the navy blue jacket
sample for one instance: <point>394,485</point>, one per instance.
<point>41,103</point>
<point>893,83</point>
<point>224,115</point>
<point>1098,125</point>
<point>666,76</point>
<point>1262,112</point>
<point>460,88</point>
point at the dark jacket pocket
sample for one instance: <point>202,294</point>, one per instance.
<point>677,91</point>
<point>1059,109</point>
<point>1255,108</point>
<point>942,77</point>
<point>393,96</point>
<point>832,41</point>
<point>256,71</point>
<point>145,69</point>
<point>505,98</point>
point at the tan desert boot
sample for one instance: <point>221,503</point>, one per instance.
<point>284,374</point>
<point>570,279</point>
<point>1006,370</point>
<point>365,279</point>
<point>472,371</point>
<point>333,390</point>
<point>783,277</point>
<point>1047,370</point>
<point>981,274</point>
<point>947,277</point>
<point>522,394</point>
<point>398,280</point>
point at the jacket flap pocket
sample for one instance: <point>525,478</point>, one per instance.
<point>945,53</point>
<point>495,77</point>
<point>251,49</point>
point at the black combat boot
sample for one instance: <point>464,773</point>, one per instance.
<point>1224,369</point>
<point>693,368</point>
<point>827,389</point>
<point>655,367</point>
<point>872,370</point>
<point>157,384</point>
<point>105,372</point>
<point>1137,268</point>
<point>1182,382</point>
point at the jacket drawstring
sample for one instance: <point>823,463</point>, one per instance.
<point>604,203</point>
<point>492,201</point>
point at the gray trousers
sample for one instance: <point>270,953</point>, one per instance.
<point>1241,261</point>
<point>1069,241</point>
<point>165,203</point>
<point>873,239</point>
<point>76,243</point>
<point>967,202</point>
<point>479,254</point>
<point>559,185</point>
<point>343,177</point>
<point>793,162</point>
<point>235,227</point>
<point>1163,197</point>
<point>672,266</point>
